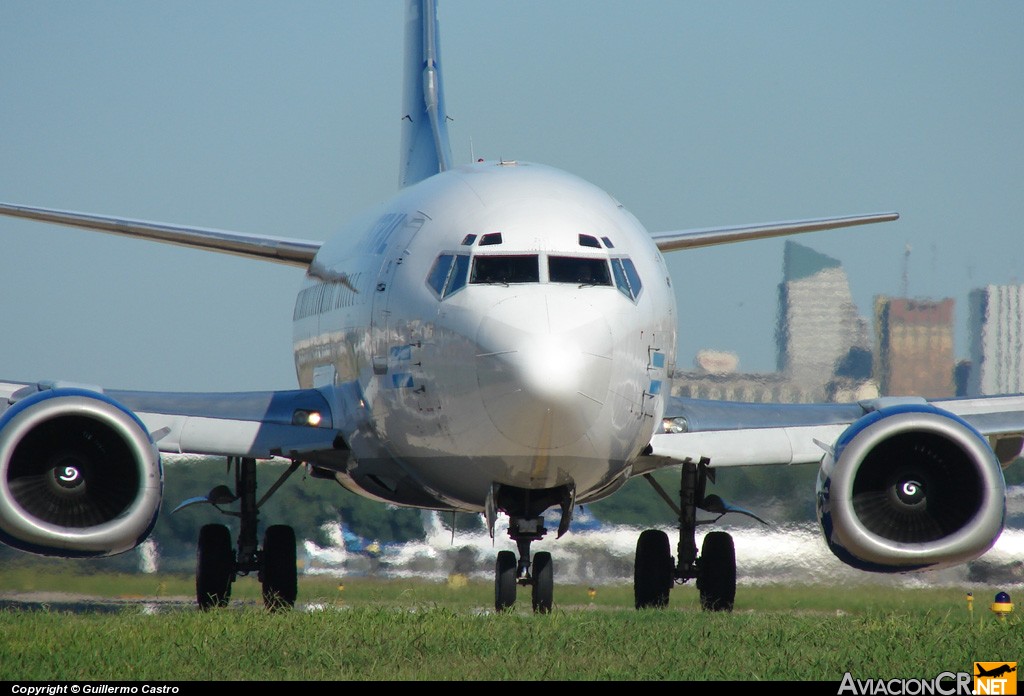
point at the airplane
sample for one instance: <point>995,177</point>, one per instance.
<point>497,338</point>
<point>995,671</point>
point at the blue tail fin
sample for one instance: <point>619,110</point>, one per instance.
<point>425,148</point>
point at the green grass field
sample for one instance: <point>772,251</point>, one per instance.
<point>365,629</point>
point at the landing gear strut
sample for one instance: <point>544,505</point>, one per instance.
<point>655,572</point>
<point>218,564</point>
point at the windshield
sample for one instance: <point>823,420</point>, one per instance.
<point>505,269</point>
<point>579,270</point>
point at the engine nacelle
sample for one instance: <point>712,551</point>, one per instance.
<point>79,475</point>
<point>910,487</point>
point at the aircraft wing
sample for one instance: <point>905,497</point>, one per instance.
<point>259,425</point>
<point>80,467</point>
<point>746,434</point>
<point>284,250</point>
<point>903,483</point>
<point>710,236</point>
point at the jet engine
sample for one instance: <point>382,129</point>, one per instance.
<point>908,488</point>
<point>79,475</point>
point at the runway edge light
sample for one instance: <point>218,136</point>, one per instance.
<point>1002,606</point>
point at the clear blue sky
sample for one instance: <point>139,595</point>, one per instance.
<point>282,118</point>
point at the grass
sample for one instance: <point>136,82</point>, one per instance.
<point>407,630</point>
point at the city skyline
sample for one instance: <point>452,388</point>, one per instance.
<point>910,347</point>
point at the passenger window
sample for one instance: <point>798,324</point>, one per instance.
<point>579,270</point>
<point>505,269</point>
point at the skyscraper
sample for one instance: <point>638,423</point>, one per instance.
<point>997,340</point>
<point>914,351</point>
<point>819,324</point>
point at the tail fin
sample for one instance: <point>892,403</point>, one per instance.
<point>425,148</point>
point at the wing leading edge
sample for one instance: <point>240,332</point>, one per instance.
<point>710,236</point>
<point>746,434</point>
<point>283,250</point>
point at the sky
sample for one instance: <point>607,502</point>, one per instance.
<point>283,119</point>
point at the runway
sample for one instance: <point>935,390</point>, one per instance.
<point>60,602</point>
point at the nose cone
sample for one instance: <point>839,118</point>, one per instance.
<point>543,366</point>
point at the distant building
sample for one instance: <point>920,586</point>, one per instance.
<point>750,387</point>
<point>997,340</point>
<point>716,377</point>
<point>962,377</point>
<point>770,387</point>
<point>819,325</point>
<point>844,390</point>
<point>914,347</point>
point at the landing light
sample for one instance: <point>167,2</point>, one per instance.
<point>674,425</point>
<point>310,418</point>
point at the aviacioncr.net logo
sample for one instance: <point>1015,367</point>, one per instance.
<point>945,684</point>
<point>995,677</point>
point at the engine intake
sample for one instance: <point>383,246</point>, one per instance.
<point>79,475</point>
<point>909,488</point>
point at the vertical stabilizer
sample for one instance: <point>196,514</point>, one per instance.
<point>425,148</point>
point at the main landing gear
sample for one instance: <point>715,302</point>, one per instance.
<point>655,572</point>
<point>218,564</point>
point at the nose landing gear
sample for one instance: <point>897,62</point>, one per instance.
<point>509,573</point>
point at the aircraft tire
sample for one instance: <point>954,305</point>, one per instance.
<point>543,583</point>
<point>653,574</point>
<point>505,581</point>
<point>279,575</point>
<point>215,565</point>
<point>716,577</point>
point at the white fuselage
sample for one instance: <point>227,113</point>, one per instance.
<point>492,318</point>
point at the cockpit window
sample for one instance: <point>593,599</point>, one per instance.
<point>627,280</point>
<point>579,270</point>
<point>505,269</point>
<point>448,273</point>
<point>587,240</point>
<point>457,280</point>
<point>489,239</point>
<point>634,277</point>
<point>438,275</point>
